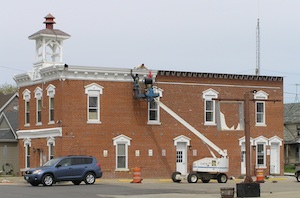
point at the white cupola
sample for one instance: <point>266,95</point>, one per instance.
<point>48,46</point>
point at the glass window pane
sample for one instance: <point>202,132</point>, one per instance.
<point>93,114</point>
<point>209,105</point>
<point>121,149</point>
<point>259,118</point>
<point>51,103</point>
<point>260,107</point>
<point>209,116</point>
<point>121,162</point>
<point>39,105</point>
<point>153,105</point>
<point>153,115</point>
<point>93,102</point>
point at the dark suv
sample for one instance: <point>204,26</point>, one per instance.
<point>68,168</point>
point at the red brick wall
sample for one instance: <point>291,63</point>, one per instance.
<point>122,114</point>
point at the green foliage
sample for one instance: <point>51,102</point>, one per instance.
<point>8,89</point>
<point>289,168</point>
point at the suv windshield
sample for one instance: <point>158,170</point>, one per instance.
<point>51,162</point>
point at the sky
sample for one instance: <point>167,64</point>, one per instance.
<point>215,36</point>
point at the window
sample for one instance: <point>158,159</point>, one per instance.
<point>260,149</point>
<point>260,108</point>
<point>209,106</point>
<point>260,112</point>
<point>50,144</point>
<point>93,92</point>
<point>39,111</point>
<point>26,98</point>
<point>51,110</point>
<point>209,111</point>
<point>153,108</point>
<point>93,110</point>
<point>27,113</point>
<point>261,161</point>
<point>50,93</point>
<point>27,145</point>
<point>51,151</point>
<point>38,95</point>
<point>122,142</point>
<point>121,156</point>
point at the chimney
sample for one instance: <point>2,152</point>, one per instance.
<point>49,21</point>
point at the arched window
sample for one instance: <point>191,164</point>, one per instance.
<point>38,94</point>
<point>26,98</point>
<point>27,146</point>
<point>50,93</point>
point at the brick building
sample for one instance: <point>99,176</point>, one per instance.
<point>80,110</point>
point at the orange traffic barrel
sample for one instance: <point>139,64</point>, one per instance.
<point>137,175</point>
<point>260,175</point>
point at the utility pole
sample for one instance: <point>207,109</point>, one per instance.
<point>248,178</point>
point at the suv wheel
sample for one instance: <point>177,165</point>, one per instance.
<point>89,178</point>
<point>298,177</point>
<point>47,180</point>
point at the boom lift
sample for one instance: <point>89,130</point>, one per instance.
<point>206,168</point>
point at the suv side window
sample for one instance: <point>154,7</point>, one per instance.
<point>77,161</point>
<point>88,160</point>
<point>65,162</point>
<point>81,160</point>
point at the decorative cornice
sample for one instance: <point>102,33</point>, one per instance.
<point>217,75</point>
<point>67,72</point>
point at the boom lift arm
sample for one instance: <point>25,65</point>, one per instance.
<point>192,129</point>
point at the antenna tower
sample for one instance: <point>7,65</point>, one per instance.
<point>257,70</point>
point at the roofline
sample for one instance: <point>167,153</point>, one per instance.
<point>11,128</point>
<point>6,104</point>
<point>218,75</point>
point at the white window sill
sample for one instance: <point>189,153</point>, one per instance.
<point>154,123</point>
<point>210,124</point>
<point>122,169</point>
<point>93,122</point>
<point>51,122</point>
<point>260,125</point>
<point>38,124</point>
<point>27,125</point>
<point>262,167</point>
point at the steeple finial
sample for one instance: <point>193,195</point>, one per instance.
<point>49,21</point>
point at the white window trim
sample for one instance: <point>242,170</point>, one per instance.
<point>50,141</point>
<point>261,140</point>
<point>94,90</point>
<point>122,139</point>
<point>27,143</point>
<point>208,95</point>
<point>50,93</point>
<point>263,96</point>
<point>38,95</point>
<point>155,122</point>
<point>26,98</point>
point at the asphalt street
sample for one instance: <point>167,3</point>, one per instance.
<point>283,186</point>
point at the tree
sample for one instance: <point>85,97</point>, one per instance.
<point>8,89</point>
